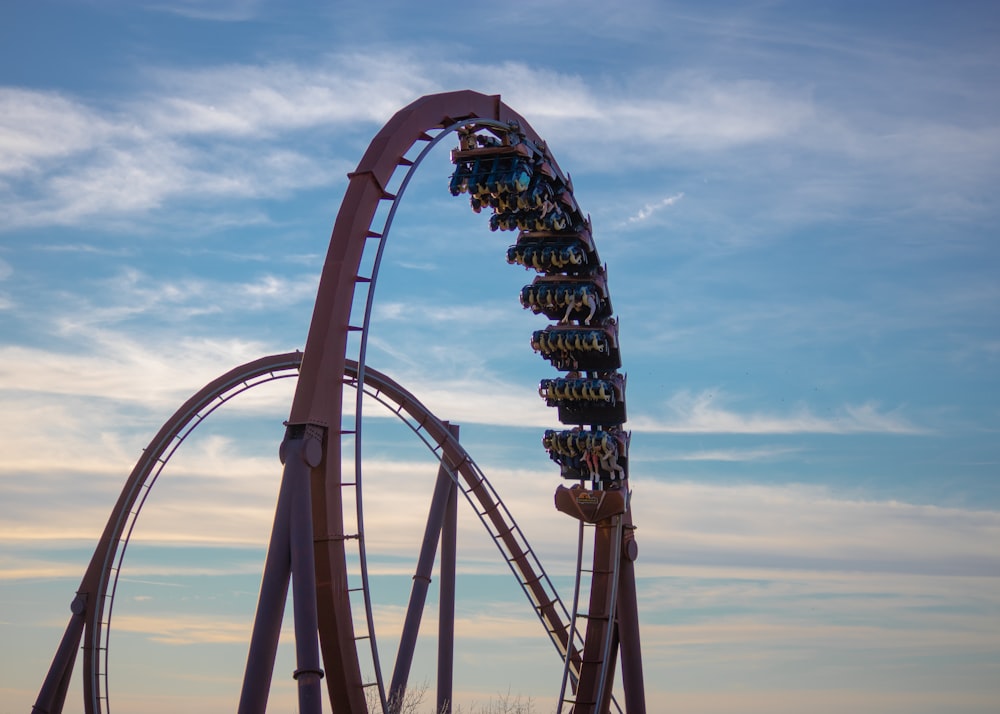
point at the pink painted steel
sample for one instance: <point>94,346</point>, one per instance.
<point>434,533</point>
<point>628,625</point>
<point>600,619</point>
<point>446,601</point>
<point>322,370</point>
<point>319,402</point>
<point>319,395</point>
<point>89,604</point>
<point>86,618</point>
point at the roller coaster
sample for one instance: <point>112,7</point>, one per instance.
<point>508,172</point>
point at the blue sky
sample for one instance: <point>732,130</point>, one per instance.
<point>795,202</point>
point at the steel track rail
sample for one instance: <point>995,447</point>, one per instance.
<point>366,284</point>
<point>521,559</point>
<point>318,405</point>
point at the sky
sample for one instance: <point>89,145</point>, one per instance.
<point>796,205</point>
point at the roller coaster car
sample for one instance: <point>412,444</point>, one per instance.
<point>554,220</point>
<point>555,253</point>
<point>580,348</point>
<point>540,190</point>
<point>547,188</point>
<point>551,217</point>
<point>492,175</point>
<point>565,298</point>
<point>509,143</point>
<point>489,164</point>
<point>590,506</point>
<point>515,178</point>
<point>577,470</point>
<point>598,455</point>
<point>585,400</point>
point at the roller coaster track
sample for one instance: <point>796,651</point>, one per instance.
<point>509,171</point>
<point>504,166</point>
<point>94,605</point>
<point>339,328</point>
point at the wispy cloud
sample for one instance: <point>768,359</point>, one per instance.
<point>74,162</point>
<point>706,412</point>
<point>213,498</point>
<point>189,630</point>
<point>132,292</point>
<point>126,369</point>
<point>71,162</point>
<point>226,11</point>
<point>38,127</point>
<point>813,528</point>
<point>650,208</point>
<point>421,311</point>
<point>763,453</point>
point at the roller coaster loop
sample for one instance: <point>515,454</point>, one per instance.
<point>506,168</point>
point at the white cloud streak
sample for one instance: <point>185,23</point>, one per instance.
<point>76,162</point>
<point>812,528</point>
<point>224,11</point>
<point>126,368</point>
<point>38,127</point>
<point>739,526</point>
<point>763,453</point>
<point>650,208</point>
<point>706,412</point>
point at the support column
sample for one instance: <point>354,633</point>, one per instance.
<point>442,496</point>
<point>289,555</point>
<point>52,695</point>
<point>628,625</point>
<point>305,454</point>
<point>446,605</point>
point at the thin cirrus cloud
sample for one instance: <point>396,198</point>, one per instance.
<point>809,528</point>
<point>78,163</point>
<point>122,370</point>
<point>224,11</point>
<point>93,347</point>
<point>85,161</point>
<point>763,453</point>
<point>695,110</point>
<point>133,292</point>
<point>38,127</point>
<point>125,368</point>
<point>187,629</point>
<point>689,108</point>
<point>705,412</point>
<point>264,100</point>
<point>721,528</point>
<point>159,374</point>
<point>184,629</point>
<point>649,209</point>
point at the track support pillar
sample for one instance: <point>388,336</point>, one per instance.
<point>289,556</point>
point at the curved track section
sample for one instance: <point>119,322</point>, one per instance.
<point>506,167</point>
<point>97,590</point>
<point>338,331</point>
<point>92,606</point>
<point>364,294</point>
<point>513,176</point>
